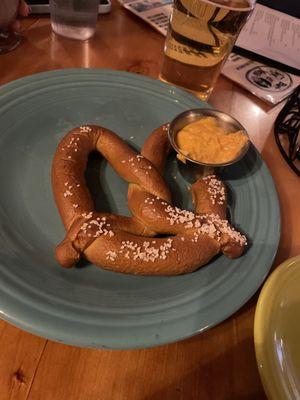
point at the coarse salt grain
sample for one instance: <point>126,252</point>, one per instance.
<point>67,193</point>
<point>85,129</point>
<point>145,251</point>
<point>215,189</point>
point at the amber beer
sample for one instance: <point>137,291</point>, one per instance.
<point>200,37</point>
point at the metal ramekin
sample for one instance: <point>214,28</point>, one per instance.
<point>227,122</point>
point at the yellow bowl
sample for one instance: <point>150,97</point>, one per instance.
<point>277,332</point>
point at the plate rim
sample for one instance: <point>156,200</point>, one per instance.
<point>101,71</point>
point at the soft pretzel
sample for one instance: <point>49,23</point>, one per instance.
<point>118,243</point>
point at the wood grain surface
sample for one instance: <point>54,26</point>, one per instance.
<point>218,364</point>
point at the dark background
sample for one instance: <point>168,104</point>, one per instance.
<point>291,7</point>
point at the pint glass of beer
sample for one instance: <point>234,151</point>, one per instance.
<point>200,37</point>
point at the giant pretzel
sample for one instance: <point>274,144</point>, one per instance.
<point>127,244</point>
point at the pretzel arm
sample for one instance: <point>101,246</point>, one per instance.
<point>136,255</point>
<point>68,182</point>
<point>130,165</point>
<point>157,147</point>
<point>209,196</point>
<point>87,228</point>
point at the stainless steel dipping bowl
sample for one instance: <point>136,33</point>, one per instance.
<point>228,123</point>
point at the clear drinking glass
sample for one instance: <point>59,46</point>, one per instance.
<point>200,37</point>
<point>75,19</point>
<point>9,40</point>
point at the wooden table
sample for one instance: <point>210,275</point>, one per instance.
<point>218,364</point>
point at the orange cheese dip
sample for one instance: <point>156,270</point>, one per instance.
<point>205,141</point>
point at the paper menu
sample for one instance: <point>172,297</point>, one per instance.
<point>272,34</point>
<point>156,13</point>
<point>268,83</point>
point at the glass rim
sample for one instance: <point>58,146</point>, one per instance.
<point>217,3</point>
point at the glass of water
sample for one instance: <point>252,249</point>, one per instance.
<point>9,40</point>
<point>75,19</point>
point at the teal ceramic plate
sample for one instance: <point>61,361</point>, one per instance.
<point>88,306</point>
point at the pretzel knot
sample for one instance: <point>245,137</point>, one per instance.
<point>128,244</point>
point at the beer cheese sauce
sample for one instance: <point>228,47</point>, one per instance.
<point>205,141</point>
